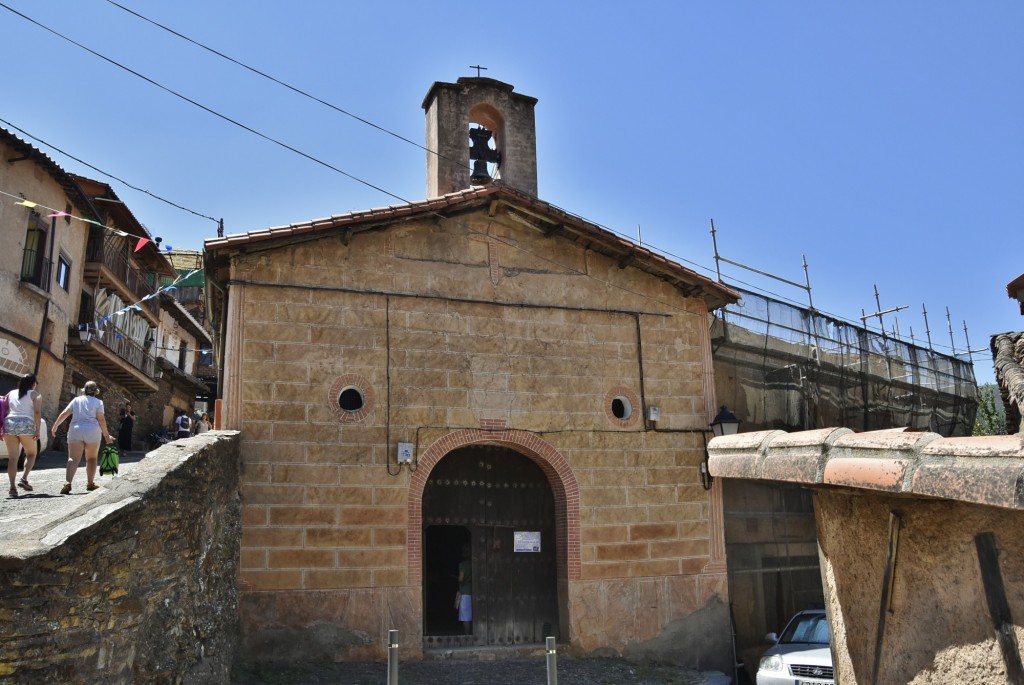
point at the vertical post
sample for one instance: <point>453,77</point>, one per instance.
<point>949,325</point>
<point>927,329</point>
<point>714,242</point>
<point>549,643</point>
<point>999,606</point>
<point>878,310</point>
<point>807,280</point>
<point>888,579</point>
<point>392,657</point>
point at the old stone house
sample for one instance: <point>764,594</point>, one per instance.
<point>78,286</point>
<point>190,293</point>
<point>481,373</point>
<point>178,350</point>
<point>41,269</point>
<point>124,308</point>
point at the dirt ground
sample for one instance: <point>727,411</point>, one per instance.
<point>518,671</point>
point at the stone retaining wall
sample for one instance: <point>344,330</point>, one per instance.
<point>919,538</point>
<point>137,587</point>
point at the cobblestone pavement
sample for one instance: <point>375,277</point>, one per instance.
<point>512,671</point>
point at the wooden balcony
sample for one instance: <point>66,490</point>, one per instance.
<point>113,355</point>
<point>107,263</point>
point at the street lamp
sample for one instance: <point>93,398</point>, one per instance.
<point>724,423</point>
<point>84,334</point>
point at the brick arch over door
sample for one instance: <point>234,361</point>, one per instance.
<point>563,486</point>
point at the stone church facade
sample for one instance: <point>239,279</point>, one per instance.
<point>479,374</point>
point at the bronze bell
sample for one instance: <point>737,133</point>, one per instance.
<point>480,177</point>
<point>481,154</point>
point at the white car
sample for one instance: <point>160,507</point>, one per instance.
<point>801,655</point>
<point>44,440</point>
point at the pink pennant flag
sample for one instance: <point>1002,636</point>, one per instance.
<point>56,215</point>
<point>139,245</point>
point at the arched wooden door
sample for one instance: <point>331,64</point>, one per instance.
<point>501,502</point>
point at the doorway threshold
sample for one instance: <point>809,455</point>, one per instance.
<point>435,652</point>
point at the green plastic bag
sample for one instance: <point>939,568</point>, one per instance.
<point>110,459</point>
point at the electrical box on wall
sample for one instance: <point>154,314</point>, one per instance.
<point>653,413</point>
<point>405,453</point>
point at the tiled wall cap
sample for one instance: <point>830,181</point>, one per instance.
<point>889,441</point>
<point>1005,446</point>
<point>820,439</point>
<point>740,455</point>
<point>875,472</point>
<point>994,482</point>
<point>800,457</point>
<point>986,470</point>
<point>743,442</point>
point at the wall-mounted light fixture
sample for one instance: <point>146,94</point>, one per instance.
<point>84,334</point>
<point>724,423</point>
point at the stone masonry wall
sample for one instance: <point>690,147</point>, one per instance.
<point>937,622</point>
<point>331,530</point>
<point>919,540</point>
<point>139,587</point>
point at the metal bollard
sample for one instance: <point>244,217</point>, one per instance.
<point>549,643</point>
<point>392,657</point>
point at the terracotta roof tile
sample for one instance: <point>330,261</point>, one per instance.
<point>982,470</point>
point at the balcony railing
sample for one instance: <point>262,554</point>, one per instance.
<point>113,257</point>
<point>36,272</point>
<point>118,342</point>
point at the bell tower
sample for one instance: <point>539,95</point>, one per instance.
<point>481,132</point>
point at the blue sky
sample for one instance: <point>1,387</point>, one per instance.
<point>883,141</point>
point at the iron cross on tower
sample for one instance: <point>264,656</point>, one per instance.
<point>478,69</point>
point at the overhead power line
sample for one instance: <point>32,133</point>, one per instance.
<point>315,159</point>
<point>204,107</point>
<point>105,173</point>
<point>304,94</point>
<point>279,82</point>
<point>323,163</point>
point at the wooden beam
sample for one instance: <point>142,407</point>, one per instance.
<point>998,606</point>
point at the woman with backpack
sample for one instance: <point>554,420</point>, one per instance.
<point>24,408</point>
<point>88,426</point>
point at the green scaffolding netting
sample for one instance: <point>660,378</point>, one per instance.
<point>780,366</point>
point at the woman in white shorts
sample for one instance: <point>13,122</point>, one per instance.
<point>21,429</point>
<point>88,426</point>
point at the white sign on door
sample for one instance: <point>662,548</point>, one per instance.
<point>526,540</point>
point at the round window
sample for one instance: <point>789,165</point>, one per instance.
<point>351,399</point>
<point>622,408</point>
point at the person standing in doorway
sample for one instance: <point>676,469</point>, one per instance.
<point>21,429</point>
<point>88,426</point>
<point>466,591</point>
<point>124,431</point>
